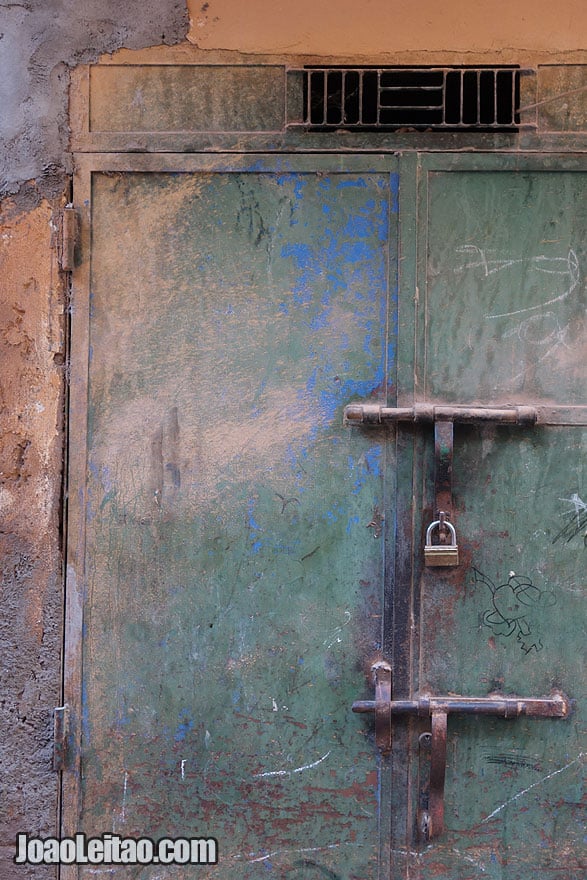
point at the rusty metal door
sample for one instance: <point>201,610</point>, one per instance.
<point>225,529</point>
<point>247,566</point>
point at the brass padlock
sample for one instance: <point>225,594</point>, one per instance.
<point>441,554</point>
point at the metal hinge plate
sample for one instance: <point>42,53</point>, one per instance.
<point>60,736</point>
<point>68,238</point>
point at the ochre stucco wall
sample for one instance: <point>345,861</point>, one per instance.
<point>31,449</point>
<point>343,27</point>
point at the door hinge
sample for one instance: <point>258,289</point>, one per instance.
<point>69,227</point>
<point>60,737</point>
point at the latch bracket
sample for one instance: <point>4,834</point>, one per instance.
<point>438,708</point>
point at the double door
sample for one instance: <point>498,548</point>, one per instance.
<point>245,563</point>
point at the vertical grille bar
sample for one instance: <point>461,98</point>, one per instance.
<point>378,97</point>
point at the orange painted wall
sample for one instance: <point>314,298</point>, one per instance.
<point>357,27</point>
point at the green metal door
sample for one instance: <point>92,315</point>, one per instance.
<point>501,320</point>
<point>241,563</point>
<point>231,587</point>
<point>492,315</point>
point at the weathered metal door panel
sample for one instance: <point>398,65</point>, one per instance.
<point>246,559</point>
<point>501,320</point>
<point>231,586</point>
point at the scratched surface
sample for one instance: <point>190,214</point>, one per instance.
<point>234,588</point>
<point>506,307</point>
<point>505,286</point>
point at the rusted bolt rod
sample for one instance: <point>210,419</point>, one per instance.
<point>556,706</point>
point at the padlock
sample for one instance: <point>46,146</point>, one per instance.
<point>441,554</point>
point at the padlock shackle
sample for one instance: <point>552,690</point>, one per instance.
<point>437,524</point>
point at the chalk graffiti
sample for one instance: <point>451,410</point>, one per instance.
<point>535,325</point>
<point>575,520</point>
<point>567,267</point>
<point>511,607</point>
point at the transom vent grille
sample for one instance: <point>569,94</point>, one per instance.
<point>420,98</point>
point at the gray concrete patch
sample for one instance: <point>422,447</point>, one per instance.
<point>39,42</point>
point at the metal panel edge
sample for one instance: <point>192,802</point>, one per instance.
<point>76,478</point>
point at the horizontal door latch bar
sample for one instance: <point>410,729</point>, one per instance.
<point>427,413</point>
<point>555,706</point>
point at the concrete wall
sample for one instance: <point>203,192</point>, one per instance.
<point>41,42</point>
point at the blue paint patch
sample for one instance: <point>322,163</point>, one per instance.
<point>300,253</point>
<point>251,520</point>
<point>373,460</point>
<point>359,182</point>
<point>253,526</point>
<point>184,727</point>
<point>331,400</point>
<point>353,521</point>
<point>360,251</point>
<point>299,181</point>
<point>368,466</point>
<point>394,191</point>
<point>320,321</point>
<point>353,258</point>
<point>336,282</point>
<point>106,479</point>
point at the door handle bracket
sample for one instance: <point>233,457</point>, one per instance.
<point>437,709</point>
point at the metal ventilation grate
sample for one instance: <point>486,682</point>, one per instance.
<point>421,98</point>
